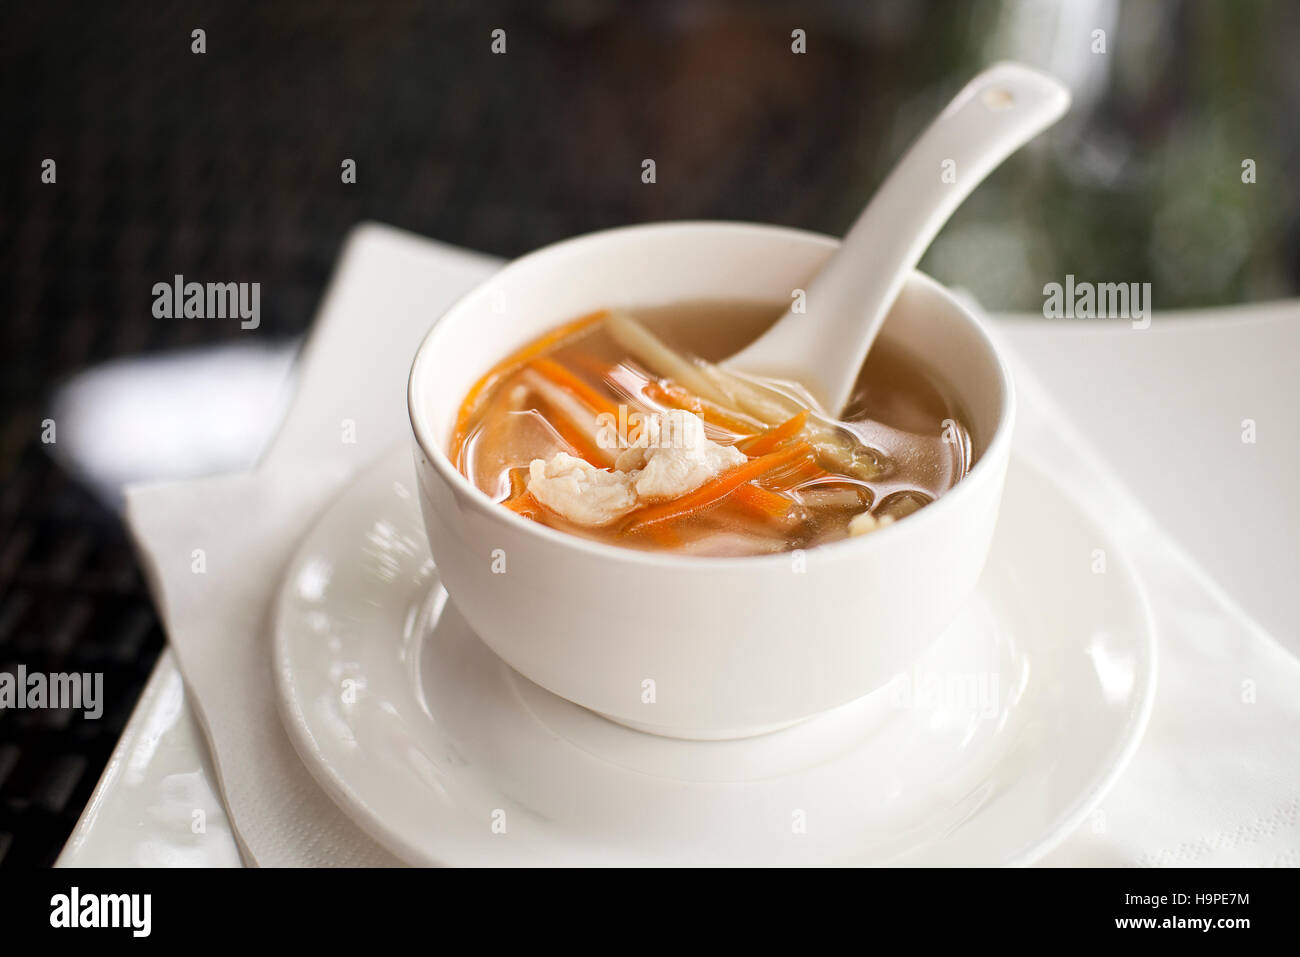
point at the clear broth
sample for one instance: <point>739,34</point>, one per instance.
<point>898,409</point>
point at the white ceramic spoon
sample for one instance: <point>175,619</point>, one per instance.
<point>823,348</point>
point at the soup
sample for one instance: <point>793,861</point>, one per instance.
<point>620,427</point>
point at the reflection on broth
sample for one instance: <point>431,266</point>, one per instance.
<point>619,427</point>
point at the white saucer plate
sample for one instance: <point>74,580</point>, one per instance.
<point>997,743</point>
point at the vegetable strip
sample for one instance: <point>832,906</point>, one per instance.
<point>646,347</point>
<point>565,379</point>
<point>789,478</point>
<point>733,391</point>
<point>762,501</point>
<point>770,440</point>
<point>524,505</point>
<point>575,422</point>
<point>666,393</point>
<point>719,487</point>
<point>510,363</point>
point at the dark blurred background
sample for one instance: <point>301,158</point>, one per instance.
<point>226,166</point>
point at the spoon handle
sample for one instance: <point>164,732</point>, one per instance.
<point>994,115</point>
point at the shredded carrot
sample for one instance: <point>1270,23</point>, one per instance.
<point>566,379</point>
<point>667,393</point>
<point>511,362</point>
<point>518,477</point>
<point>801,472</point>
<point>609,375</point>
<point>770,440</point>
<point>572,418</point>
<point>750,502</point>
<point>579,443</point>
<point>720,486</point>
<point>762,501</point>
<point>519,500</point>
<point>523,504</point>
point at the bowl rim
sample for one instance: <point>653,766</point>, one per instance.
<point>997,450</point>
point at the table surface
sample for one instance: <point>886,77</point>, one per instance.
<point>1167,405</point>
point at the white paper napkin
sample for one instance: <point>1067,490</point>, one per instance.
<point>1216,780</point>
<point>241,530</point>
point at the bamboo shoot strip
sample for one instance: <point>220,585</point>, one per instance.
<point>833,445</point>
<point>647,349</point>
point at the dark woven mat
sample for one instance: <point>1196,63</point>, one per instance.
<point>226,166</point>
